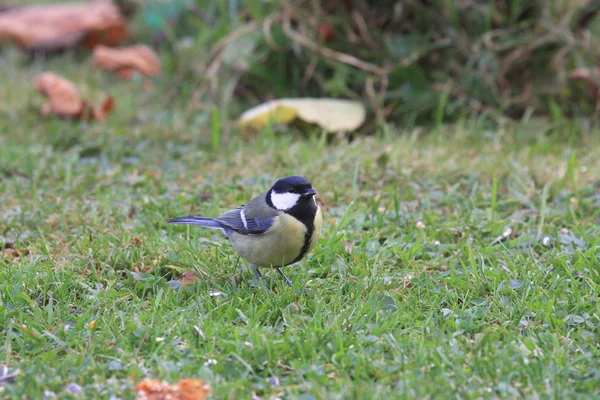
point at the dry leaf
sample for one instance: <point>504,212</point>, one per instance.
<point>14,254</point>
<point>591,79</point>
<point>186,389</point>
<point>64,99</point>
<point>330,114</point>
<point>325,32</point>
<point>100,113</point>
<point>127,61</point>
<point>188,278</point>
<point>136,242</point>
<point>52,27</point>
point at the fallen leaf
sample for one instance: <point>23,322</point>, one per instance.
<point>136,242</point>
<point>14,254</point>
<point>63,96</point>
<point>590,78</point>
<point>52,27</point>
<point>127,61</point>
<point>330,114</point>
<point>325,32</point>
<point>188,278</point>
<point>100,113</point>
<point>64,99</point>
<point>186,389</point>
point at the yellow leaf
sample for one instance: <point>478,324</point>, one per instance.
<point>28,332</point>
<point>330,114</point>
<point>176,268</point>
<point>92,324</point>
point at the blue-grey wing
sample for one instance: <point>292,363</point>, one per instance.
<point>237,220</point>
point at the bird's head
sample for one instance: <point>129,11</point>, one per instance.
<point>289,192</point>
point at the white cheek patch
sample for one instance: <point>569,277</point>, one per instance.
<point>284,201</point>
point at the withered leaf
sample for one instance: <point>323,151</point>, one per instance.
<point>127,61</point>
<point>188,278</point>
<point>590,78</point>
<point>186,389</point>
<point>63,97</point>
<point>14,254</point>
<point>332,115</point>
<point>65,101</point>
<point>52,27</point>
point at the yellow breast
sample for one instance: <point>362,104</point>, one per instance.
<point>277,247</point>
<point>317,231</point>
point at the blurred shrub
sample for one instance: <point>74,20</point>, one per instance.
<point>411,61</point>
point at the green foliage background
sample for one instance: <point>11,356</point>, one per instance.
<point>421,61</point>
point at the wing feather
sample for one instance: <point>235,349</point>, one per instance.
<point>253,218</point>
<point>233,220</point>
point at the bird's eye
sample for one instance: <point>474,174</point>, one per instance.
<point>293,190</point>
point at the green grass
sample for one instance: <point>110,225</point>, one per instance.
<point>431,279</point>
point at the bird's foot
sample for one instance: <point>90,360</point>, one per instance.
<point>287,280</point>
<point>259,277</point>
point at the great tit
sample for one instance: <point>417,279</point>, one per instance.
<point>275,229</point>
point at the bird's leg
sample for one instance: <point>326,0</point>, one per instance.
<point>259,276</point>
<point>256,271</point>
<point>287,280</point>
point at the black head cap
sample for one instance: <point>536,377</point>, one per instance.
<point>292,184</point>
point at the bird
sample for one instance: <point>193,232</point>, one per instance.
<point>278,228</point>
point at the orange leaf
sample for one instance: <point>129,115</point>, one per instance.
<point>104,109</point>
<point>186,389</point>
<point>52,27</point>
<point>64,99</point>
<point>125,62</point>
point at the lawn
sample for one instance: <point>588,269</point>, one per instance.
<point>462,262</point>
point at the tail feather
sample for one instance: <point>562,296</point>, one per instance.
<point>206,222</point>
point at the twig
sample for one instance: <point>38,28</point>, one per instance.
<point>363,30</point>
<point>266,27</point>
<point>310,70</point>
<point>522,52</point>
<point>327,52</point>
<point>217,51</point>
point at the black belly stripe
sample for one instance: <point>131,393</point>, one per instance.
<point>305,213</point>
<point>307,237</point>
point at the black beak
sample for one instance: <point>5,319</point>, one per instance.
<point>309,193</point>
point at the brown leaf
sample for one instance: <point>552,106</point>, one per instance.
<point>65,101</point>
<point>325,32</point>
<point>590,79</point>
<point>127,61</point>
<point>63,97</point>
<point>186,389</point>
<point>52,27</point>
<point>104,109</point>
<point>14,254</point>
<point>188,278</point>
